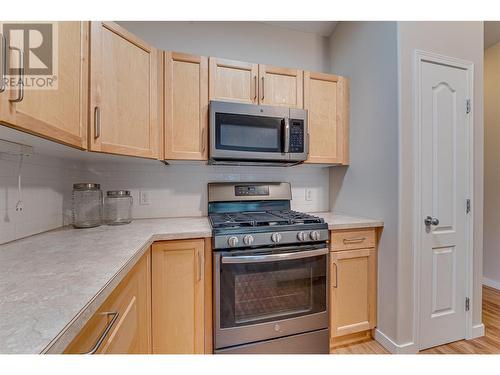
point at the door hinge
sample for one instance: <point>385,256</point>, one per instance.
<point>467,303</point>
<point>467,206</point>
<point>467,106</point>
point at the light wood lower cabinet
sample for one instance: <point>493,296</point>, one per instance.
<point>353,291</point>
<point>127,311</point>
<point>60,113</point>
<point>178,286</point>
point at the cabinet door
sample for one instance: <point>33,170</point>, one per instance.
<point>130,332</point>
<point>280,86</point>
<point>326,100</point>
<point>124,93</point>
<point>233,81</point>
<point>59,114</point>
<point>353,291</point>
<point>186,106</point>
<point>178,292</point>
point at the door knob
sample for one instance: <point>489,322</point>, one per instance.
<point>429,220</point>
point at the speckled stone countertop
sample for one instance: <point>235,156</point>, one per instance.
<point>52,283</point>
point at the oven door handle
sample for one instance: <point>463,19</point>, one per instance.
<point>240,259</point>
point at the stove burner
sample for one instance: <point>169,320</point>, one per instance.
<point>261,218</point>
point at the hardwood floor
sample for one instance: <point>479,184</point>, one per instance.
<point>488,344</point>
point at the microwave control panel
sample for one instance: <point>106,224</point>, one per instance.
<point>296,136</point>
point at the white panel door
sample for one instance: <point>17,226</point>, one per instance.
<point>444,181</point>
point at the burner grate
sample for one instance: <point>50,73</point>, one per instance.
<point>261,218</point>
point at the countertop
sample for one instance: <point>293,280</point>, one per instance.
<point>52,283</point>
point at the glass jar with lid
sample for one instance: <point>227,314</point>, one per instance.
<point>87,205</point>
<point>118,207</point>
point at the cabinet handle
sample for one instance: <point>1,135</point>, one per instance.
<point>354,240</point>
<point>336,278</point>
<point>104,333</point>
<point>254,88</point>
<point>262,88</point>
<point>203,141</point>
<point>199,265</point>
<point>20,96</point>
<point>97,122</point>
<point>4,62</point>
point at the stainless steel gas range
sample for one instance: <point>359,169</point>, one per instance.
<point>270,271</point>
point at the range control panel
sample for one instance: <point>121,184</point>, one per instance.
<point>251,190</point>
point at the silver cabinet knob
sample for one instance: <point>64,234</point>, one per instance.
<point>276,237</point>
<point>302,236</point>
<point>232,241</point>
<point>314,235</point>
<point>429,220</point>
<point>248,239</point>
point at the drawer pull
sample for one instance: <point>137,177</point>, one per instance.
<point>354,240</point>
<point>101,338</point>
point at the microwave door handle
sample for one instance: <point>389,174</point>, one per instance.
<point>242,259</point>
<point>286,148</point>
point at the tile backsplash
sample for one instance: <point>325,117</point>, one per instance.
<point>174,190</point>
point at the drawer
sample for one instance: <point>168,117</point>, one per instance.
<point>353,239</point>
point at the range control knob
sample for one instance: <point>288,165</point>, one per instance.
<point>248,239</point>
<point>232,241</point>
<point>302,236</point>
<point>276,237</point>
<point>315,235</point>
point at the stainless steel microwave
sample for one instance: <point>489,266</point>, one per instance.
<point>249,134</point>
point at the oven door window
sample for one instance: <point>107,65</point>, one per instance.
<point>252,293</point>
<point>248,133</point>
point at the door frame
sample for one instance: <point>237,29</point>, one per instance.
<point>421,56</point>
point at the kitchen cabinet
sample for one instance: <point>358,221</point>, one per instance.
<point>127,314</point>
<point>353,287</point>
<point>326,98</point>
<point>59,114</point>
<point>124,93</point>
<point>231,80</point>
<point>178,288</point>
<point>186,106</point>
<point>280,86</point>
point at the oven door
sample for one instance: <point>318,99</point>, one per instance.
<point>265,294</point>
<point>248,132</point>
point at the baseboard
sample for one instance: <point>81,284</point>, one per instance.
<point>491,283</point>
<point>477,331</point>
<point>392,347</point>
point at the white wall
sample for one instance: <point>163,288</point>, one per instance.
<point>461,40</point>
<point>366,52</point>
<point>491,262</point>
<point>247,41</point>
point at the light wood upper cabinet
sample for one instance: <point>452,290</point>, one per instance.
<point>186,106</point>
<point>326,98</point>
<point>58,114</point>
<point>280,86</point>
<point>130,303</point>
<point>178,295</point>
<point>125,91</point>
<point>233,81</point>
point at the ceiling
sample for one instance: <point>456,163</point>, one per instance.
<point>323,28</point>
<point>491,33</point>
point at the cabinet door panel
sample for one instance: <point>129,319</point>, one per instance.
<point>326,100</point>
<point>125,89</point>
<point>233,81</point>
<point>58,114</point>
<point>178,292</point>
<point>280,86</point>
<point>353,291</point>
<point>186,106</point>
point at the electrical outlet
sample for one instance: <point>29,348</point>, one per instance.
<point>144,198</point>
<point>309,194</point>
